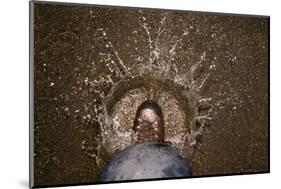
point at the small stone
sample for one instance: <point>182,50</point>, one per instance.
<point>86,81</point>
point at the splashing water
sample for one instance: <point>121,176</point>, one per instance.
<point>161,78</point>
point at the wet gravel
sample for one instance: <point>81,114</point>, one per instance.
<point>70,56</point>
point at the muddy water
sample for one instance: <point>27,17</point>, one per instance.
<point>94,66</point>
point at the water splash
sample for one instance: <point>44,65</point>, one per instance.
<point>187,113</point>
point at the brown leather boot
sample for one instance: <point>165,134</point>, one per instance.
<point>149,123</point>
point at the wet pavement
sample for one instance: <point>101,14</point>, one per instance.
<point>94,66</point>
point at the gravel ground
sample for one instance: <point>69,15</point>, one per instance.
<point>82,52</point>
